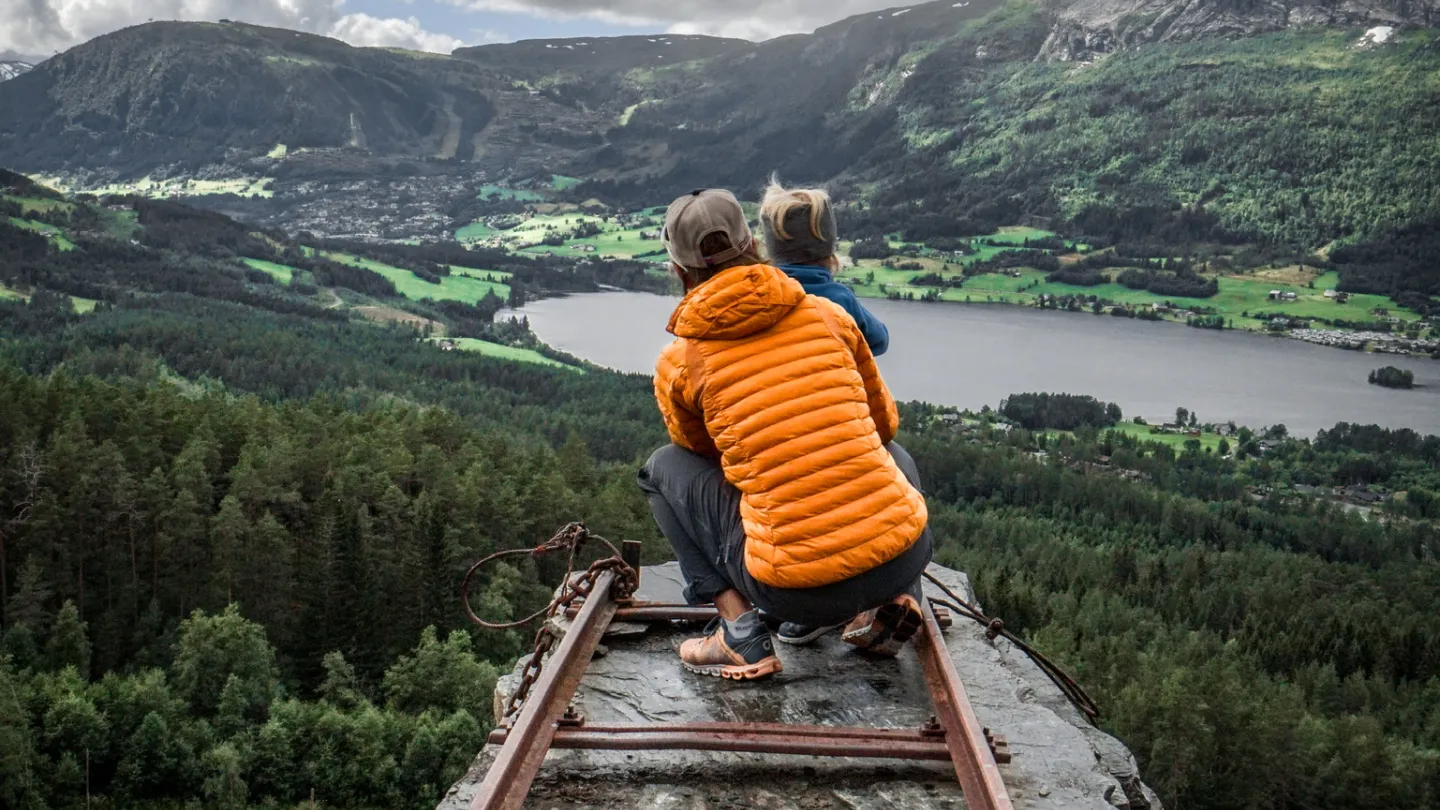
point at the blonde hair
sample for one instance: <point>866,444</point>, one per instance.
<point>780,201</point>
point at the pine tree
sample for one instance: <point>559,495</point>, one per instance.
<point>224,785</point>
<point>341,687</point>
<point>20,763</point>
<point>228,530</point>
<point>67,645</point>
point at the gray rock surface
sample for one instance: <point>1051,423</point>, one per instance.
<point>1059,760</point>
<point>1085,29</point>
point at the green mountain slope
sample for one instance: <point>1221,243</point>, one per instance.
<point>1198,130</point>
<point>186,94</point>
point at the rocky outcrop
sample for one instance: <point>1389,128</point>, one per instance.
<point>1059,760</point>
<point>1088,28</point>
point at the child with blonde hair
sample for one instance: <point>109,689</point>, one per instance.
<point>801,238</point>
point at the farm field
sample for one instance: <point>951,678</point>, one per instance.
<point>465,288</point>
<point>1208,441</point>
<point>502,352</point>
<point>1239,295</point>
<point>615,241</point>
<point>54,234</point>
<point>388,315</point>
<point>281,272</point>
<point>83,306</point>
<point>40,205</point>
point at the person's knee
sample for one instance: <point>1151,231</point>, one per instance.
<point>667,458</point>
<point>905,462</point>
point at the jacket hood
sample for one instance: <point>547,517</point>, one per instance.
<point>737,303</point>
<point>808,273</point>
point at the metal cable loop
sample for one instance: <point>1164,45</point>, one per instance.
<point>996,628</point>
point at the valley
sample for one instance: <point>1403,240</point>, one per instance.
<point>293,331</point>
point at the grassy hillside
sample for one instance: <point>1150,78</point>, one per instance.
<point>502,352</point>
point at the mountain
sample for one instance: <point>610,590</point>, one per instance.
<point>1247,130</point>
<point>192,94</point>
<point>11,69</point>
<point>1084,28</point>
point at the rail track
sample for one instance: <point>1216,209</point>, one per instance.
<point>546,721</point>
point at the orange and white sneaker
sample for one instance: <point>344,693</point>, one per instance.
<point>722,655</point>
<point>884,630</point>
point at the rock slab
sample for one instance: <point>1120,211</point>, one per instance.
<point>1060,762</point>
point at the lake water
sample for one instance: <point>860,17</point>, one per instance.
<point>975,355</point>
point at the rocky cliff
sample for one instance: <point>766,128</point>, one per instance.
<point>1083,29</point>
<point>1060,762</point>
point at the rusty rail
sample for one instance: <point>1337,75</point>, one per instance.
<point>636,610</point>
<point>975,765</point>
<point>955,734</point>
<point>508,782</point>
<point>753,738</point>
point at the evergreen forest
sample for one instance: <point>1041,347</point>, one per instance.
<point>233,522</point>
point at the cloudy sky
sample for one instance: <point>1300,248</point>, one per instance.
<point>39,28</point>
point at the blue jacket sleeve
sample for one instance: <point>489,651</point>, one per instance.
<point>870,326</point>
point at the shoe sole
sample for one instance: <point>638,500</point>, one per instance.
<point>808,637</point>
<point>734,672</point>
<point>895,623</point>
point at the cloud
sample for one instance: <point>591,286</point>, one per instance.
<point>362,29</point>
<point>746,19</point>
<point>47,26</point>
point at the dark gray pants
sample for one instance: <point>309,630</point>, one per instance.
<point>699,513</point>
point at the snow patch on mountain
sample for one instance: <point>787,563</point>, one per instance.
<point>9,70</point>
<point>1379,35</point>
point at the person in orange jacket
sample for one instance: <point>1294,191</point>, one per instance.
<point>783,488</point>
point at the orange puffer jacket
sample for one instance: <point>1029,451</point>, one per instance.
<point>782,387</point>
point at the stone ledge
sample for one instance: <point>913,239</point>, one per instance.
<point>1059,761</point>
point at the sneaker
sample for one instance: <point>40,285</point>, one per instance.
<point>884,630</point>
<point>800,634</point>
<point>720,654</point>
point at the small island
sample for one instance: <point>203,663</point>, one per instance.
<point>1392,377</point>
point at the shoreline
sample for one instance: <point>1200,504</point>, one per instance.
<point>1336,336</point>
<point>1321,335</point>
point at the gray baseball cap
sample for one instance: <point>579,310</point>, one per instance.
<point>699,214</point>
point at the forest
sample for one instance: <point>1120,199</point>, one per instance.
<point>233,524</point>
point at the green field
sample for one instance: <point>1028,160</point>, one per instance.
<point>84,306</point>
<point>281,272</point>
<point>501,352</point>
<point>1239,294</point>
<point>120,224</point>
<point>54,234</point>
<point>475,232</point>
<point>1175,440</point>
<point>466,288</point>
<point>560,182</point>
<point>41,205</point>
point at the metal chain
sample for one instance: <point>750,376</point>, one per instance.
<point>570,539</point>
